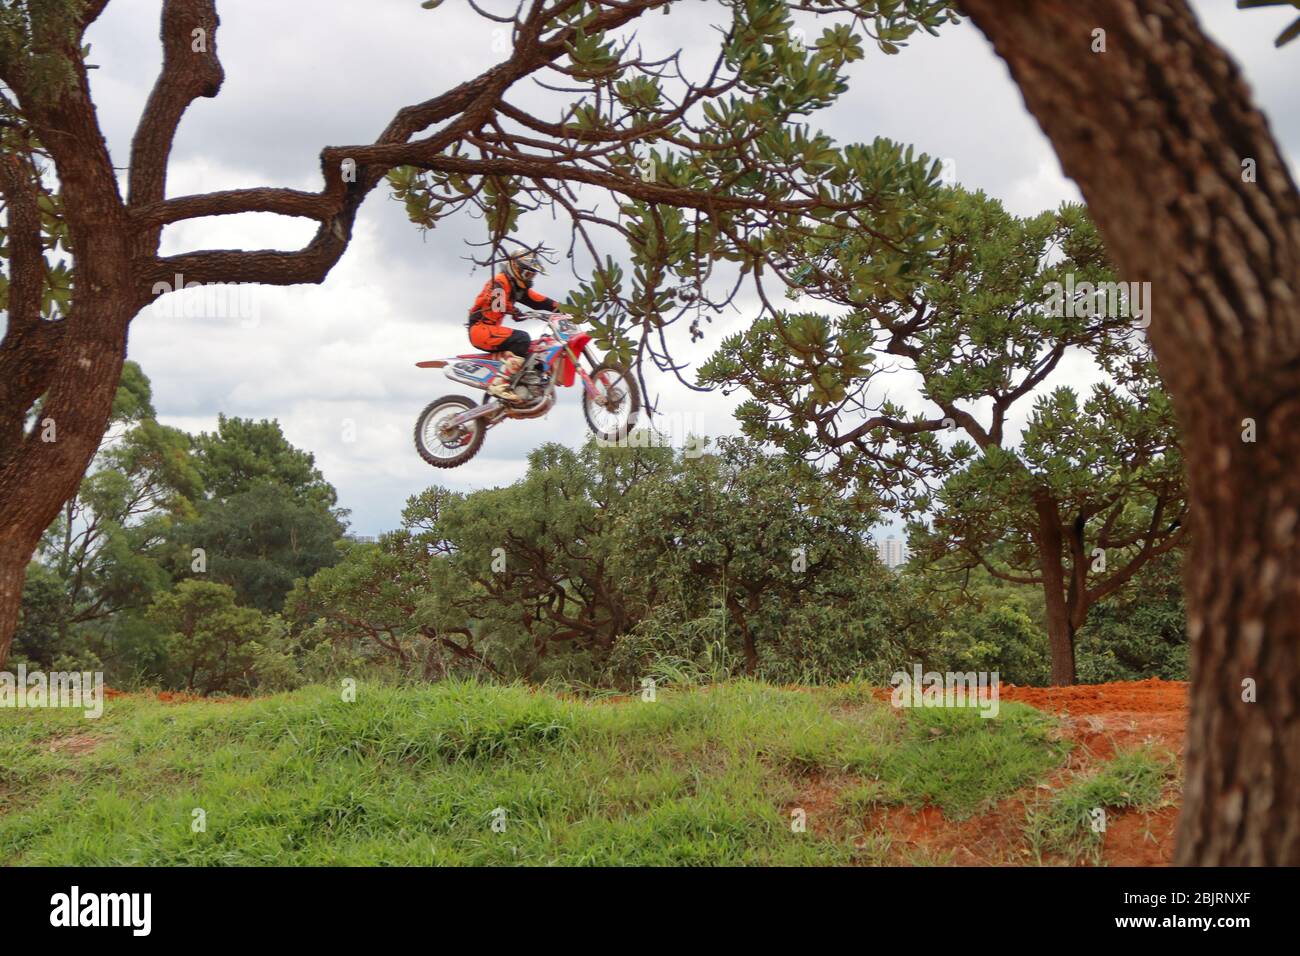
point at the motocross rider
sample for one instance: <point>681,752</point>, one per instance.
<point>494,303</point>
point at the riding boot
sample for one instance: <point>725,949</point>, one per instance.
<point>499,387</point>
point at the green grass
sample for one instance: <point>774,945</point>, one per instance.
<point>408,776</point>
<point>963,763</point>
<point>1064,824</point>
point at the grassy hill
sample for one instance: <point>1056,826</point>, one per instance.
<point>463,773</point>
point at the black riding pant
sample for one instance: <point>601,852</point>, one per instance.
<point>519,343</point>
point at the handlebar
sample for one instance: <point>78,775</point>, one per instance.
<point>547,316</point>
<point>553,319</point>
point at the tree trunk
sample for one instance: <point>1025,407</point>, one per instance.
<point>76,409</point>
<point>1060,641</point>
<point>746,636</point>
<point>1060,632</point>
<point>76,378</point>
<point>1190,193</point>
<point>13,571</point>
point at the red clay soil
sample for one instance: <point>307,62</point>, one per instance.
<point>1129,714</point>
<point>172,696</point>
<point>1100,719</point>
<point>1142,696</point>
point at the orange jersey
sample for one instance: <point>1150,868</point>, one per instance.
<point>498,299</point>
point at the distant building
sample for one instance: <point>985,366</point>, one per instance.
<point>361,538</point>
<point>892,551</point>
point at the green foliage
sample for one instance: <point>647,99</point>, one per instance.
<point>510,580</point>
<point>39,41</point>
<point>105,552</point>
<point>978,622</point>
<point>38,640</point>
<point>242,454</point>
<point>969,314</point>
<point>268,517</point>
<point>1000,636</point>
<point>1139,632</point>
<point>1111,467</point>
<point>602,566</point>
<point>57,277</point>
<point>214,645</point>
<point>258,541</point>
<point>131,531</point>
<point>614,564</point>
<point>975,318</point>
<point>133,401</point>
<point>610,565</point>
<point>792,589</point>
<point>42,39</point>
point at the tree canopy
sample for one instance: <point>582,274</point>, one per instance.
<point>1074,501</point>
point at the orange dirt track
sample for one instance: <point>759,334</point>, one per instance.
<point>1100,719</point>
<point>1153,696</point>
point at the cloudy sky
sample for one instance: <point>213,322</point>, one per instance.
<point>334,363</point>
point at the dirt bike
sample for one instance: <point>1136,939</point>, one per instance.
<point>450,430</point>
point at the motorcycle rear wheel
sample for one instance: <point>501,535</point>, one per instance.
<point>441,445</point>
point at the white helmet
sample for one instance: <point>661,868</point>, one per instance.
<point>524,265</point>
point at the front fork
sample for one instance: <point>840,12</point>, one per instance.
<point>586,379</point>
<point>495,410</point>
